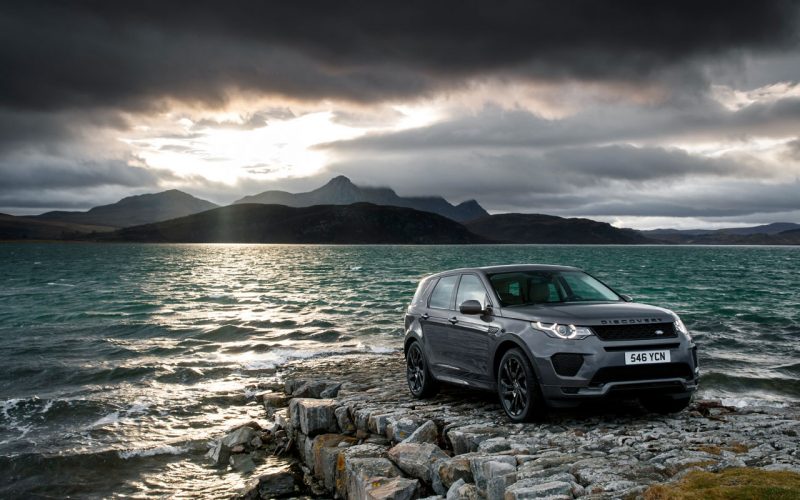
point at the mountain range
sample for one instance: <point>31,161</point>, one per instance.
<point>342,212</point>
<point>341,191</point>
<point>135,210</point>
<point>358,223</point>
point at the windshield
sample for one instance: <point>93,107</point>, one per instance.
<point>543,287</point>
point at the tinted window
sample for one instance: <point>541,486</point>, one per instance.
<point>538,287</point>
<point>442,295</point>
<point>471,288</point>
<point>422,291</point>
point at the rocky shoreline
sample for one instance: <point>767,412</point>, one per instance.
<point>355,432</point>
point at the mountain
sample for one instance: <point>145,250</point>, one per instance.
<point>135,210</point>
<point>774,228</point>
<point>538,228</point>
<point>26,228</point>
<point>339,224</point>
<point>341,191</point>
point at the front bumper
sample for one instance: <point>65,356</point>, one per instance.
<point>603,372</point>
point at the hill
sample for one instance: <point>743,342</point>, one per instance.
<point>341,191</point>
<point>135,210</point>
<point>538,228</point>
<point>684,235</point>
<point>25,228</point>
<point>359,223</point>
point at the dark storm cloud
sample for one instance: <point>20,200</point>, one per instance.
<point>498,128</point>
<point>126,54</point>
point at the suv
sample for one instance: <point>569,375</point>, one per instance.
<point>545,336</point>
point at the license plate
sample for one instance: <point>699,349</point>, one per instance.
<point>646,357</point>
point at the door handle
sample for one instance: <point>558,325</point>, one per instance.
<point>454,320</point>
<point>424,316</point>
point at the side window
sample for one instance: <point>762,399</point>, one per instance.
<point>422,291</point>
<point>442,295</point>
<point>471,288</point>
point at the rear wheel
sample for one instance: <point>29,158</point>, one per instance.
<point>518,388</point>
<point>420,381</point>
<point>666,404</point>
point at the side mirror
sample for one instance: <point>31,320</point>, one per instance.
<point>471,307</point>
<point>626,298</point>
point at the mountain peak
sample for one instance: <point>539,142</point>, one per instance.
<point>340,180</point>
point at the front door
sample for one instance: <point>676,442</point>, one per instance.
<point>471,336</point>
<point>437,322</point>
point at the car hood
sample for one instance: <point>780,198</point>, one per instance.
<point>595,313</point>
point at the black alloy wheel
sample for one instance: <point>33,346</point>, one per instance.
<point>420,382</point>
<point>518,388</point>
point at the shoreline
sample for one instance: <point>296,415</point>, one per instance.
<point>355,432</point>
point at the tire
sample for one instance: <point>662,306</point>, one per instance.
<point>518,389</point>
<point>420,381</point>
<point>666,404</point>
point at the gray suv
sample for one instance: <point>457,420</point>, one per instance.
<point>545,336</point>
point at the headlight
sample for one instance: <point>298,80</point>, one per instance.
<point>557,331</point>
<point>681,327</point>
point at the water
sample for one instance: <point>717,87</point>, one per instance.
<point>120,362</point>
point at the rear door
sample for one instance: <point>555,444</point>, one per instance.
<point>471,335</point>
<point>436,323</point>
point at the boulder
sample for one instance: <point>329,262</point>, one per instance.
<point>401,428</point>
<point>273,401</point>
<point>320,462</point>
<point>467,439</point>
<point>378,422</point>
<point>313,416</point>
<point>275,484</point>
<point>344,421</point>
<point>453,469</point>
<point>219,454</point>
<point>426,433</point>
<point>241,436</point>
<point>397,488</point>
<point>452,493</point>
<point>520,490</point>
<point>242,463</point>
<point>302,388</point>
<point>496,486</point>
<point>466,492</point>
<point>417,459</point>
<point>360,473</point>
<point>346,456</point>
<point>487,467</point>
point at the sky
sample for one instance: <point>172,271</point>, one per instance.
<point>677,114</point>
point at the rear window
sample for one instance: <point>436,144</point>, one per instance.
<point>422,291</point>
<point>442,296</point>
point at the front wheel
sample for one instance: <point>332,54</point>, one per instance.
<point>666,404</point>
<point>420,381</point>
<point>518,388</point>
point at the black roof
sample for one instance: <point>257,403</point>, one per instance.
<point>510,268</point>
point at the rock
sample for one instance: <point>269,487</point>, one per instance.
<point>313,416</point>
<point>453,469</point>
<point>398,488</point>
<point>219,454</point>
<point>361,471</point>
<point>273,401</point>
<point>487,467</point>
<point>417,459</point>
<point>300,388</point>
<point>242,463</point>
<point>344,421</point>
<point>496,486</point>
<point>346,456</point>
<point>256,442</point>
<point>494,445</point>
<point>401,428</point>
<point>467,492</point>
<point>519,490</point>
<point>241,436</point>
<point>452,493</point>
<point>468,438</point>
<point>426,433</point>
<point>272,485</point>
<point>378,422</point>
<point>322,443</point>
<point>238,449</point>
